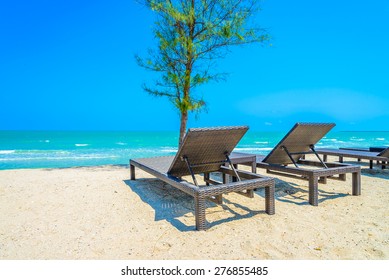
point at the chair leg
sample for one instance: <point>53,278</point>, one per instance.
<point>313,190</point>
<point>254,167</point>
<point>206,177</point>
<point>234,179</point>
<point>254,170</point>
<point>201,222</point>
<point>371,164</point>
<point>132,172</point>
<point>270,202</point>
<point>356,181</point>
<point>225,177</point>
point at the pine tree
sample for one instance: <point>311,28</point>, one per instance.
<point>192,35</point>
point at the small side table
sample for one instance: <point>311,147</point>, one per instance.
<point>241,158</point>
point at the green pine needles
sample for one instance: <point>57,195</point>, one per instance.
<point>192,35</point>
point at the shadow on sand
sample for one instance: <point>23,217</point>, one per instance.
<point>293,193</point>
<point>376,173</point>
<point>171,204</point>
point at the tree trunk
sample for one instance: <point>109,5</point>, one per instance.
<point>184,120</point>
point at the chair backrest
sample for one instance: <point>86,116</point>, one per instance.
<point>384,153</point>
<point>298,140</point>
<point>205,149</point>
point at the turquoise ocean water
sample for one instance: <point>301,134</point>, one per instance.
<point>49,149</point>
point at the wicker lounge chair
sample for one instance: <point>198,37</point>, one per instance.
<point>204,151</point>
<point>382,157</point>
<point>292,150</point>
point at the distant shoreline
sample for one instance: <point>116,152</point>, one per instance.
<point>52,149</point>
<point>124,166</point>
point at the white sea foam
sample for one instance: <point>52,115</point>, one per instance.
<point>169,150</point>
<point>357,139</point>
<point>5,152</point>
<point>333,141</point>
<point>253,149</point>
<point>380,139</point>
<point>42,152</point>
<point>330,139</point>
<point>63,152</point>
<point>81,145</point>
<point>144,150</point>
<point>121,143</point>
<point>57,158</point>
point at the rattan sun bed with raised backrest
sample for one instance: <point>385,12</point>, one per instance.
<point>203,151</point>
<point>382,157</point>
<point>291,150</point>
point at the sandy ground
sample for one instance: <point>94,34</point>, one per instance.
<point>98,213</point>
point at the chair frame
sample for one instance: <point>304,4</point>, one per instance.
<point>213,190</point>
<point>313,171</point>
<point>358,154</point>
<point>314,176</point>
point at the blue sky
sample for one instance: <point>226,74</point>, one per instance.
<point>69,65</point>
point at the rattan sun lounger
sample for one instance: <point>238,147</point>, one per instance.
<point>382,157</point>
<point>291,150</point>
<point>204,151</point>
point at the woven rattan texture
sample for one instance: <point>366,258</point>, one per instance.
<point>205,145</point>
<point>299,138</point>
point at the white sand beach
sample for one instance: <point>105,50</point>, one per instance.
<point>98,213</point>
